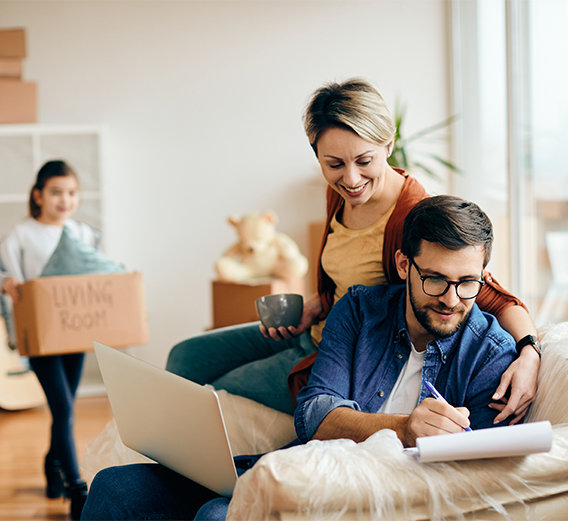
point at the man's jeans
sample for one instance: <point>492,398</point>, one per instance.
<point>149,491</point>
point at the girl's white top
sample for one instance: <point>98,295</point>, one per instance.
<point>25,250</point>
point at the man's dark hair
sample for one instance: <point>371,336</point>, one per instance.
<point>449,221</point>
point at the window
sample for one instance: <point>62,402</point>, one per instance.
<point>512,140</point>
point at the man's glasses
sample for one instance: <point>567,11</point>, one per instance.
<point>438,286</point>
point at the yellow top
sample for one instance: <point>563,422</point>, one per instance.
<point>353,257</point>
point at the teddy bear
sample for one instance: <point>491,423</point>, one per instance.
<point>260,251</point>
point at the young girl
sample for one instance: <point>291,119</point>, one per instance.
<point>24,253</point>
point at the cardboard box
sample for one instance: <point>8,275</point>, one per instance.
<point>13,43</point>
<point>18,101</point>
<point>233,303</point>
<point>11,68</point>
<point>58,315</point>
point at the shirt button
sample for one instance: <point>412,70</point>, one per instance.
<point>399,356</point>
<point>381,393</point>
<point>444,357</point>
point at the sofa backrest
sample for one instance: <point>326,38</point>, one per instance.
<point>550,402</point>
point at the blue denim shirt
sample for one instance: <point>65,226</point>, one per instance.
<point>365,344</point>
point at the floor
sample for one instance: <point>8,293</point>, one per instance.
<point>23,444</point>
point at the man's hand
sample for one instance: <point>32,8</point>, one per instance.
<point>10,286</point>
<point>521,376</point>
<point>434,417</point>
<point>312,309</point>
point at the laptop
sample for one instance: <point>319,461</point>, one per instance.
<point>169,419</point>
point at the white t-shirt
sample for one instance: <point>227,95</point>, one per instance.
<point>404,395</point>
<point>24,252</point>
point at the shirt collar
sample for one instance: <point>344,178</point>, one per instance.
<point>401,327</point>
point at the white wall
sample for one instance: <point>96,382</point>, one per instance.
<point>202,101</point>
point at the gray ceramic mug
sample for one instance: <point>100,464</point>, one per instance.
<point>282,309</point>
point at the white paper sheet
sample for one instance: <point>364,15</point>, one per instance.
<point>497,442</point>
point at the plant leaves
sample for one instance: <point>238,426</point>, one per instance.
<point>400,156</point>
<point>432,128</point>
<point>428,170</point>
<point>447,164</point>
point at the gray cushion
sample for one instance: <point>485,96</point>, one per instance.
<point>73,257</point>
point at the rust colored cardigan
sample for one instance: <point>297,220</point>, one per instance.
<point>493,298</point>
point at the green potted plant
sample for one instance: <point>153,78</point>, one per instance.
<point>402,153</point>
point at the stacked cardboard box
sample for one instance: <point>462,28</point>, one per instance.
<point>18,98</point>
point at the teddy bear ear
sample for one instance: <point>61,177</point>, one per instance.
<point>270,216</point>
<point>234,220</point>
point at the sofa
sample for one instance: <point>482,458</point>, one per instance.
<point>342,480</point>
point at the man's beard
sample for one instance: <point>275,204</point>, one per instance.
<point>425,320</point>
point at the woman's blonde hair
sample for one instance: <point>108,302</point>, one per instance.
<point>355,105</point>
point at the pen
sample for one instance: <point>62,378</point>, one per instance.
<point>438,396</point>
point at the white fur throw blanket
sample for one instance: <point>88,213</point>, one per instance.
<point>376,480</point>
<point>323,480</point>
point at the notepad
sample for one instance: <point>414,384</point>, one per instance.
<point>496,442</point>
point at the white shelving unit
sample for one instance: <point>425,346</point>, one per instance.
<point>23,149</point>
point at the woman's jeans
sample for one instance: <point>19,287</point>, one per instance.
<point>242,361</point>
<point>59,376</point>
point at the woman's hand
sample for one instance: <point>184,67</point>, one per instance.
<point>312,309</point>
<point>521,377</point>
<point>518,384</point>
<point>10,286</point>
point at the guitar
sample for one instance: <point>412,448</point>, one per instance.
<point>19,387</point>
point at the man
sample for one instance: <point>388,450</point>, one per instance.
<point>378,345</point>
<point>381,343</point>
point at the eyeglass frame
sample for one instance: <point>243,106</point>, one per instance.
<point>449,283</point>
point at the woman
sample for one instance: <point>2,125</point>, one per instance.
<point>351,132</point>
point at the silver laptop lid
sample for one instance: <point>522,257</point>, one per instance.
<point>169,419</point>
